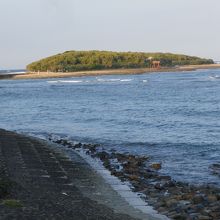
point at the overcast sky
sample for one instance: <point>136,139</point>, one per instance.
<point>33,29</point>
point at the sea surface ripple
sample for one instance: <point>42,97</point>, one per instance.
<point>174,117</point>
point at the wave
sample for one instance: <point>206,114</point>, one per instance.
<point>65,81</point>
<point>126,80</point>
<point>216,77</point>
<point>108,80</point>
<point>52,81</point>
<point>114,80</point>
<point>70,81</point>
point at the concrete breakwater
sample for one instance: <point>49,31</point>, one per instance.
<point>177,200</point>
<point>38,181</point>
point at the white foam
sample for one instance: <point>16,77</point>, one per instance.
<point>216,77</point>
<point>144,80</point>
<point>52,81</point>
<point>65,81</point>
<point>70,81</point>
<point>126,80</point>
<point>108,80</point>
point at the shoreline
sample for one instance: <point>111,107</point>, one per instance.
<point>174,199</point>
<point>41,163</point>
<point>39,180</point>
<point>46,75</point>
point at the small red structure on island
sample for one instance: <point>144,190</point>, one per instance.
<point>155,64</point>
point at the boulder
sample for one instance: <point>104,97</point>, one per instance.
<point>156,166</point>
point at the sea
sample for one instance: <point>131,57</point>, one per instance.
<point>172,117</point>
<point>13,71</point>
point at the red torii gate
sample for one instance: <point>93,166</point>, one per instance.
<point>155,64</point>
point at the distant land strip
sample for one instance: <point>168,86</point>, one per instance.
<point>43,75</point>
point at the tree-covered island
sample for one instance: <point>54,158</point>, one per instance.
<point>71,61</point>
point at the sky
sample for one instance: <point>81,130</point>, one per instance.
<point>34,29</point>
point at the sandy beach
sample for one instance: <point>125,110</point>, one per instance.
<point>42,75</point>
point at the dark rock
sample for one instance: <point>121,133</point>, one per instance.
<point>198,199</point>
<point>156,166</point>
<point>159,186</point>
<point>58,141</point>
<point>107,164</point>
<point>170,183</point>
<point>215,169</point>
<point>203,217</point>
<point>179,217</point>
<point>171,202</point>
<point>212,198</point>
<point>134,178</point>
<point>79,145</point>
<point>103,155</point>
<point>161,209</point>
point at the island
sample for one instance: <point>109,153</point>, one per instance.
<point>72,61</point>
<point>97,63</point>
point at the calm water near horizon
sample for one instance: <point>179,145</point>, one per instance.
<point>174,117</point>
<point>14,71</point>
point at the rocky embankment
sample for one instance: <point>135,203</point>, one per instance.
<point>177,200</point>
<point>38,182</point>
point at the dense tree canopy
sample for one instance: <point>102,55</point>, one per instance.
<point>93,60</point>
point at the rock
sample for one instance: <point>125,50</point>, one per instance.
<point>170,183</point>
<point>199,207</point>
<point>65,143</point>
<point>215,168</point>
<point>179,217</point>
<point>218,196</point>
<point>198,199</point>
<point>188,196</point>
<point>58,141</point>
<point>134,177</point>
<point>204,217</point>
<point>212,198</point>
<point>156,166</point>
<point>148,175</point>
<point>117,174</point>
<point>184,202</point>
<point>130,170</point>
<point>206,211</point>
<point>215,215</point>
<point>107,164</point>
<point>159,186</point>
<point>193,215</point>
<point>183,206</point>
<point>161,209</point>
<point>215,208</point>
<point>79,145</point>
<point>171,202</point>
<point>178,197</point>
<point>103,155</point>
<point>165,178</point>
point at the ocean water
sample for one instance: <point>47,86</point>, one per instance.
<point>173,117</point>
<point>14,71</point>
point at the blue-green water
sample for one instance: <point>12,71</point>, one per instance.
<point>174,117</point>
